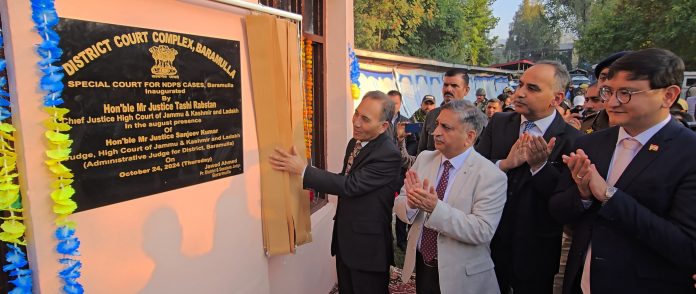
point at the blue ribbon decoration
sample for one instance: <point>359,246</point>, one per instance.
<point>45,18</point>
<point>21,277</point>
<point>354,67</point>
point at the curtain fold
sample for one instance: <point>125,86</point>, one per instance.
<point>274,59</point>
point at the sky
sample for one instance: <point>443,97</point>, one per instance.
<point>505,10</point>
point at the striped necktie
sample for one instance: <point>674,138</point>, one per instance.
<point>353,155</point>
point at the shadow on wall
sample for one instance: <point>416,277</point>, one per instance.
<point>225,268</point>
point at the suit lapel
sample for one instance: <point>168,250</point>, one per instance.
<point>367,149</point>
<point>648,154</point>
<point>556,129</point>
<point>434,167</point>
<point>461,178</point>
<point>605,151</point>
<point>512,132</point>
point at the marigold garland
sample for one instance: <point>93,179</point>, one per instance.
<point>10,201</point>
<point>307,58</point>
<point>45,18</point>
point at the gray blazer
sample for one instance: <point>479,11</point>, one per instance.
<point>466,223</point>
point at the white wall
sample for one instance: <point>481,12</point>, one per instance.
<point>339,106</point>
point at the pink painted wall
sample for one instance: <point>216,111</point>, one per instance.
<point>199,239</point>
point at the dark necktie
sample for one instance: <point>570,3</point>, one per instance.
<point>528,126</point>
<point>428,245</point>
<point>353,155</point>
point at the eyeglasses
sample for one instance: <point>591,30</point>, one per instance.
<point>623,95</point>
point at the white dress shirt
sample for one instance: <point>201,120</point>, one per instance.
<point>457,162</point>
<point>541,125</point>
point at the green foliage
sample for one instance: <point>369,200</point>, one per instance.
<point>617,25</point>
<point>387,25</point>
<point>447,30</point>
<point>570,15</point>
<point>532,35</point>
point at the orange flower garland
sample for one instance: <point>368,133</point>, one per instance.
<point>309,95</point>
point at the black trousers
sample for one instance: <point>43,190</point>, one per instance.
<point>509,284</point>
<point>352,281</point>
<point>401,231</point>
<point>427,277</point>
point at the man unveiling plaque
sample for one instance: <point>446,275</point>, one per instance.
<point>150,110</point>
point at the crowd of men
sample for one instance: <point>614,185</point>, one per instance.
<point>492,196</point>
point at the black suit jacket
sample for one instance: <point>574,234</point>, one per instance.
<point>411,141</point>
<point>426,141</point>
<point>527,243</point>
<point>644,238</point>
<point>362,235</point>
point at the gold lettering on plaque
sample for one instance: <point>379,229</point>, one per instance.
<point>164,59</point>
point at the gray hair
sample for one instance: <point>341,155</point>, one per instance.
<point>561,74</point>
<point>387,104</point>
<point>691,91</point>
<point>468,114</point>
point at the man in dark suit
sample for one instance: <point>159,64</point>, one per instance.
<point>362,238</point>
<point>455,86</point>
<point>411,142</point>
<point>527,145</point>
<point>400,228</point>
<point>632,208</point>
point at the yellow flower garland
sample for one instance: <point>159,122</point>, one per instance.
<point>12,227</point>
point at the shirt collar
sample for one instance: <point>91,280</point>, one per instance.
<point>396,116</point>
<point>646,135</point>
<point>458,160</point>
<point>544,123</point>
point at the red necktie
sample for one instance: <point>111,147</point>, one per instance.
<point>428,245</point>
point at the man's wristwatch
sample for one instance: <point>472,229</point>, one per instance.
<point>609,193</point>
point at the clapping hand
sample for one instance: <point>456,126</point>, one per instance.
<point>590,182</point>
<point>420,195</point>
<point>579,165</point>
<point>536,150</point>
<point>516,156</point>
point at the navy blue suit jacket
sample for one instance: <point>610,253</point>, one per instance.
<point>644,238</point>
<point>527,243</point>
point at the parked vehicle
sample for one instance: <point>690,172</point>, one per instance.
<point>579,80</point>
<point>689,81</point>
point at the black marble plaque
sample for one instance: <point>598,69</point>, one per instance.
<point>150,110</point>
